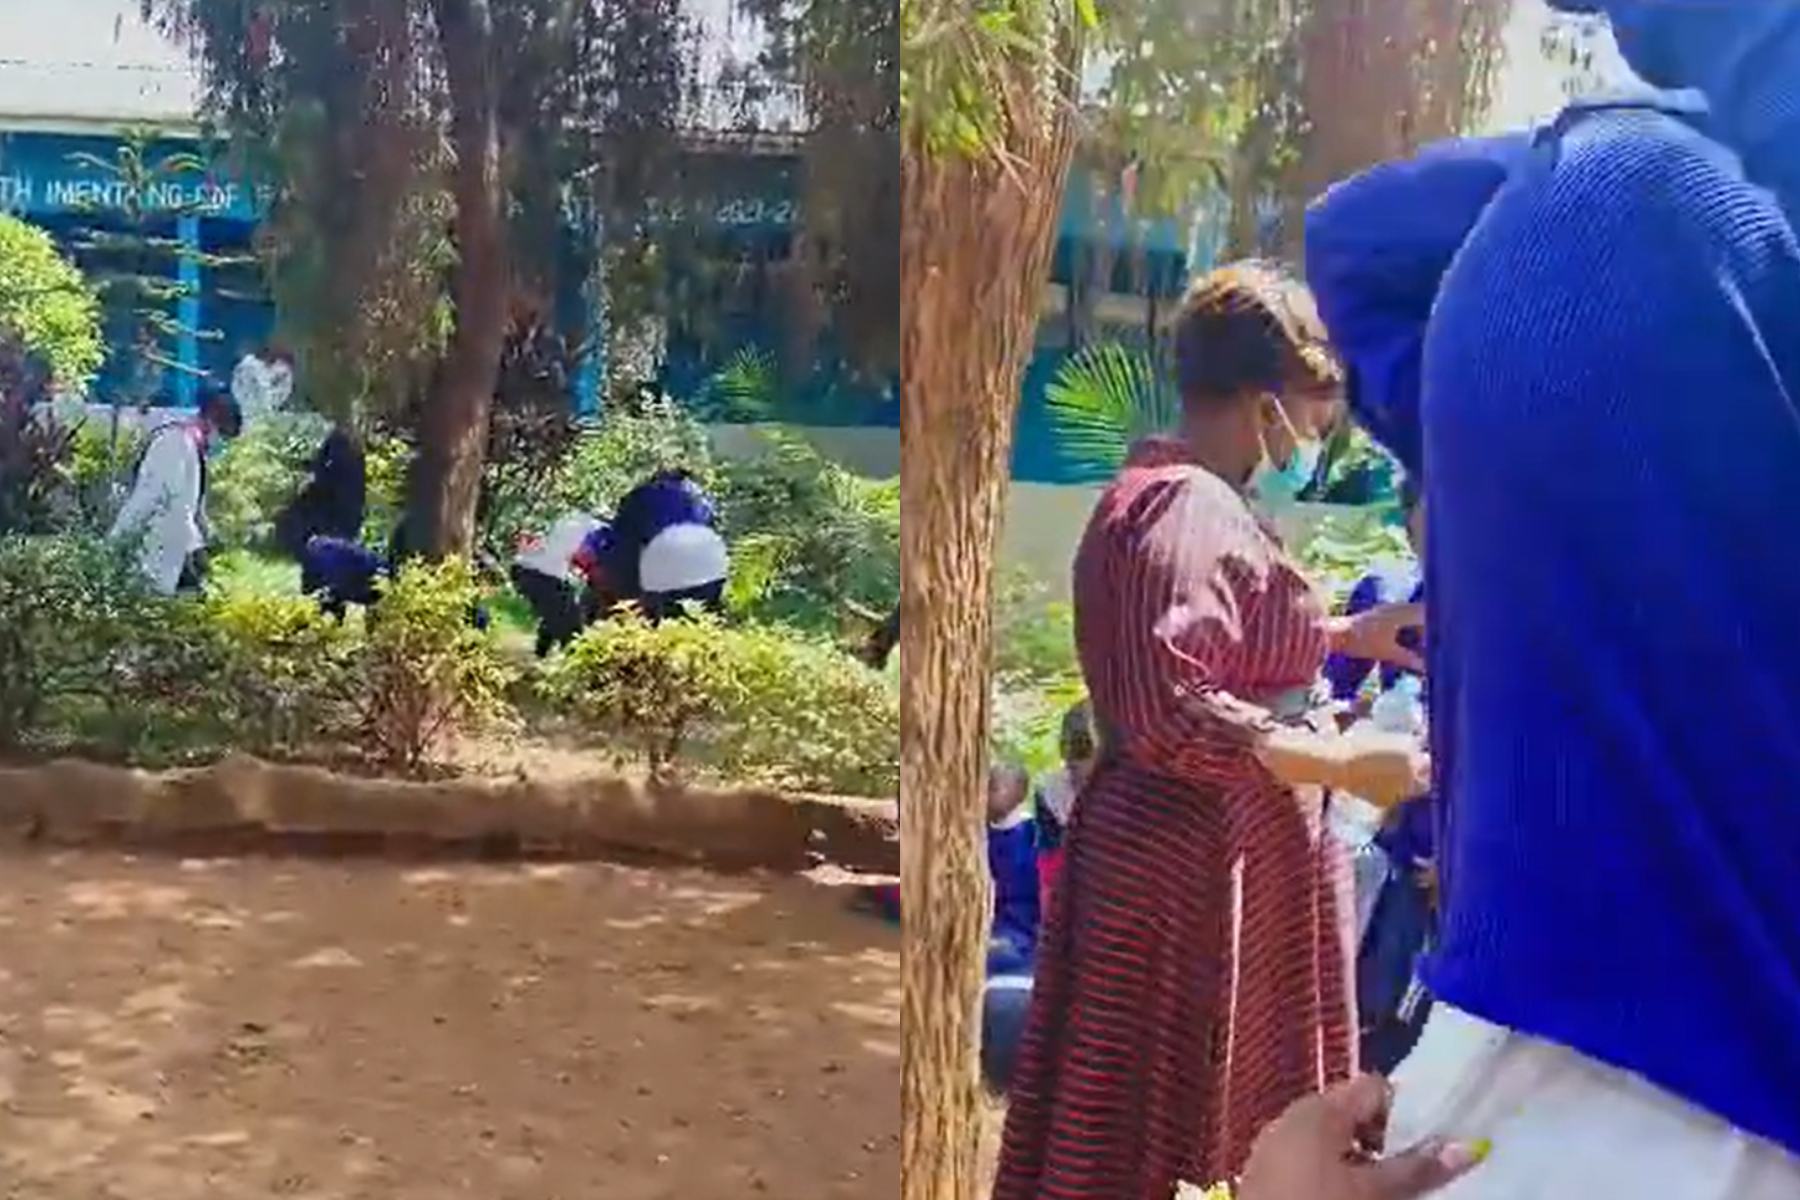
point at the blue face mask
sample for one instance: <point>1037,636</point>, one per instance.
<point>1279,485</point>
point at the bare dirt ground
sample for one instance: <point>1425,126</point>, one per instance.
<point>338,1031</point>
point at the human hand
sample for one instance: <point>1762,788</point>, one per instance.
<point>1375,635</point>
<point>1325,1147</point>
<point>1385,768</point>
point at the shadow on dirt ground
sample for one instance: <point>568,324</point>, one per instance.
<point>215,1029</point>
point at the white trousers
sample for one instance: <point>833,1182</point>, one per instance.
<point>1565,1127</point>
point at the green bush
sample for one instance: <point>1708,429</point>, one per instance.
<point>650,687</point>
<point>91,660</point>
<point>290,679</point>
<point>48,587</point>
<point>89,655</point>
<point>1347,544</point>
<point>98,469</point>
<point>394,685</point>
<point>807,715</point>
<point>34,463</point>
<point>1034,635</point>
<point>46,307</point>
<point>825,539</point>
<point>756,703</point>
<point>1028,723</point>
<point>425,673</point>
<point>385,460</point>
<point>613,454</point>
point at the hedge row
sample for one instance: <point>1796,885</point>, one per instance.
<point>93,663</point>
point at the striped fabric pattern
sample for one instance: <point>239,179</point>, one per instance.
<point>1192,974</point>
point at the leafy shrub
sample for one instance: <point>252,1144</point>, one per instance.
<point>88,653</point>
<point>159,699</point>
<point>804,714</point>
<point>98,469</point>
<point>648,686</point>
<point>758,703</point>
<point>35,450</point>
<point>385,460</point>
<point>47,596</point>
<point>1034,635</point>
<point>290,674</point>
<point>1346,545</point>
<point>425,672</point>
<point>829,538</point>
<point>46,309</point>
<point>1028,723</point>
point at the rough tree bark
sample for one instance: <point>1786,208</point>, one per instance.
<point>452,435</point>
<point>1382,77</point>
<point>974,257</point>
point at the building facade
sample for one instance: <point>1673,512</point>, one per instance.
<point>99,144</point>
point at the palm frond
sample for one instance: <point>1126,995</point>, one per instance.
<point>1101,399</point>
<point>746,390</point>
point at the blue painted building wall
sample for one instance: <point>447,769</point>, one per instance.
<point>78,188</point>
<point>67,183</point>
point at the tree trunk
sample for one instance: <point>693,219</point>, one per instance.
<point>452,432</point>
<point>1382,77</point>
<point>974,257</point>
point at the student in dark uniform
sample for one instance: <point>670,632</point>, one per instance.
<point>666,549</point>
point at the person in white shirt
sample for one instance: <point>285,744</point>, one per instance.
<point>164,514</point>
<point>263,381</point>
<point>544,574</point>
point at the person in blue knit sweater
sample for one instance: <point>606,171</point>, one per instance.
<point>1600,325</point>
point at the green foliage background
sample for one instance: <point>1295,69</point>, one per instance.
<point>46,306</point>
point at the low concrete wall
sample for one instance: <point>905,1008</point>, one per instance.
<point>244,804</point>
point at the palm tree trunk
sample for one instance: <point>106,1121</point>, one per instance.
<point>974,257</point>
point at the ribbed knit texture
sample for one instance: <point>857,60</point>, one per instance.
<point>1613,488</point>
<point>1607,417</point>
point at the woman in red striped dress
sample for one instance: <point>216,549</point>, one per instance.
<point>1191,980</point>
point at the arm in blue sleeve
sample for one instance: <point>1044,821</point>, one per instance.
<point>1377,247</point>
<point>1343,673</point>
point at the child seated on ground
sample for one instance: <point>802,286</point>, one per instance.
<point>1012,863</point>
<point>1054,801</point>
<point>1006,999</point>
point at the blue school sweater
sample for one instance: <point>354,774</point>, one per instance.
<point>1346,674</point>
<point>663,501</point>
<point>1012,862</point>
<point>1613,451</point>
<point>346,569</point>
